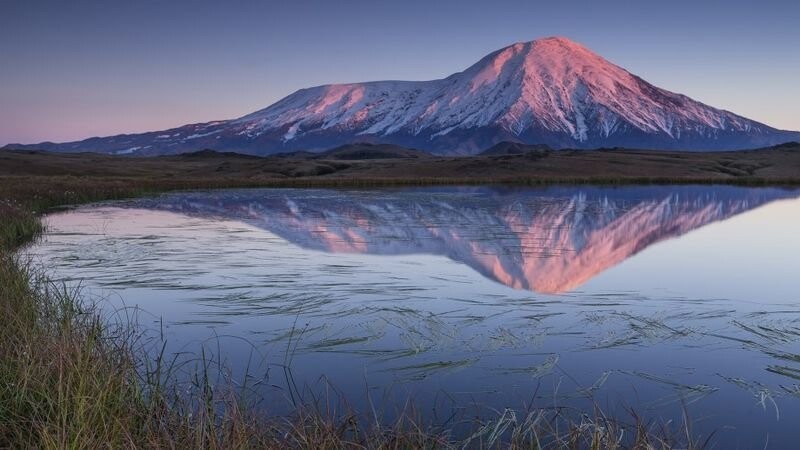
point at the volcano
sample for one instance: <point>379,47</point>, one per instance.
<point>550,91</point>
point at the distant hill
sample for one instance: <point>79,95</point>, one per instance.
<point>360,151</point>
<point>515,148</point>
<point>372,151</point>
<point>209,153</point>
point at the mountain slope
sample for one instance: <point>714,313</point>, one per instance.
<point>549,91</point>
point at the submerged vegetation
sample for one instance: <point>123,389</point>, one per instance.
<point>71,378</point>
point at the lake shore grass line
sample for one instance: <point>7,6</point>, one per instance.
<point>71,379</point>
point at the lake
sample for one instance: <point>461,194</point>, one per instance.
<point>468,300</point>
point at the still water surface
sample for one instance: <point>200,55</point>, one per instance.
<point>470,299</point>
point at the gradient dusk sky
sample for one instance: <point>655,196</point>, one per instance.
<point>74,69</point>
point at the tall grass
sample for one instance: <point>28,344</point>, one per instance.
<point>70,378</point>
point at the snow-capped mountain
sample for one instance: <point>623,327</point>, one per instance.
<point>546,241</point>
<point>549,91</point>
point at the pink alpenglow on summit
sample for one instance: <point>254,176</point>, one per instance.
<point>549,91</point>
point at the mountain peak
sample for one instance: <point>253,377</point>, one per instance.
<point>556,41</point>
<point>554,45</point>
<point>552,66</point>
<point>550,47</point>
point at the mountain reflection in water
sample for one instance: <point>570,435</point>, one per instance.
<point>548,241</point>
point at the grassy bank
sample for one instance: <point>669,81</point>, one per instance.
<point>70,379</point>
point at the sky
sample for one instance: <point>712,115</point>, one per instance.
<point>75,69</point>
